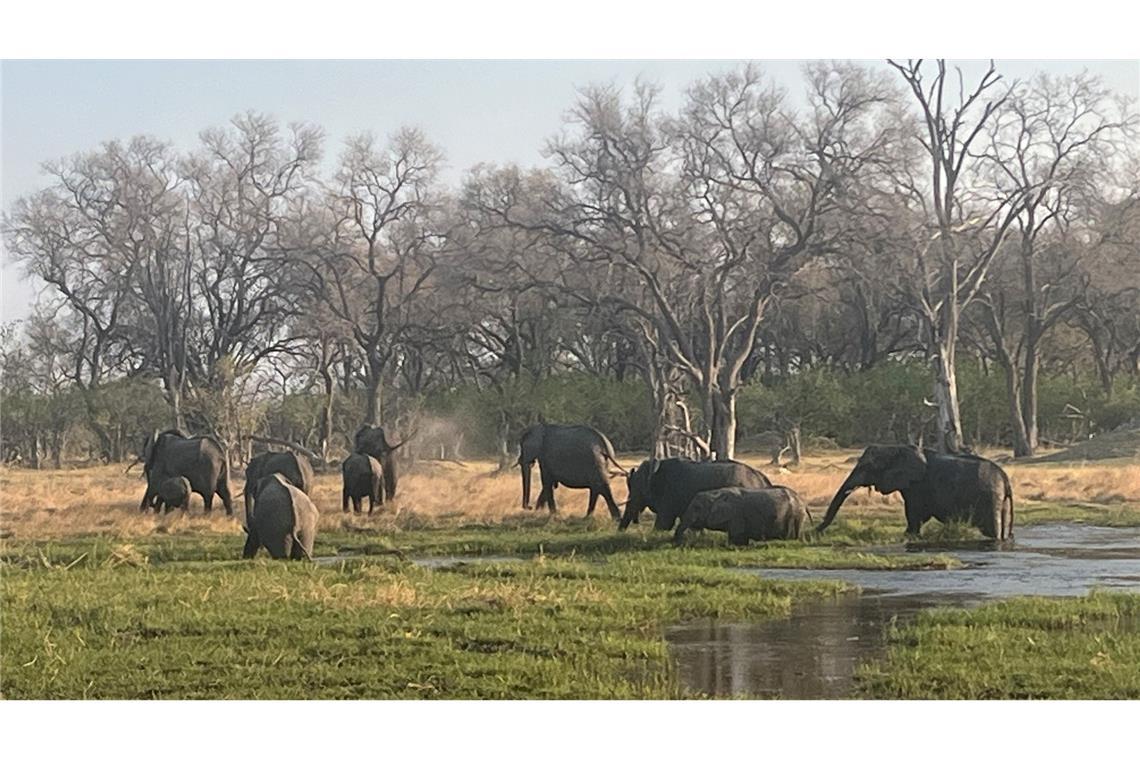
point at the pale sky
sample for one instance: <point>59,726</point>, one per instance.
<point>494,111</point>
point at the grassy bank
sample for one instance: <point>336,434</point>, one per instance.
<point>1029,648</point>
<point>373,628</point>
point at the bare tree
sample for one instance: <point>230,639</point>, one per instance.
<point>962,228</point>
<point>1049,148</point>
<point>381,252</point>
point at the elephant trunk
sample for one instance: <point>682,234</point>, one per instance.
<point>854,480</point>
<point>526,468</point>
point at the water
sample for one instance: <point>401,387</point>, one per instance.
<point>431,563</point>
<point>814,653</point>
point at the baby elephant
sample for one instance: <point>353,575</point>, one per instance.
<point>745,514</point>
<point>363,476</point>
<point>173,493</point>
<point>284,521</point>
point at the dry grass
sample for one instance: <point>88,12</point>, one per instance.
<point>104,500</point>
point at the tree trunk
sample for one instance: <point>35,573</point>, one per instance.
<point>1029,398</point>
<point>792,440</point>
<point>326,426</point>
<point>722,432</point>
<point>1021,447</point>
<point>373,414</point>
<point>946,398</point>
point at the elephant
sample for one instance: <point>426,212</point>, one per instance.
<point>202,460</point>
<point>943,486</point>
<point>745,514</point>
<point>666,486</point>
<point>173,493</point>
<point>284,521</point>
<point>296,468</point>
<point>371,440</point>
<point>575,456</point>
<point>362,476</point>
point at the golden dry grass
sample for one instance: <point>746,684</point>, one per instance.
<point>104,500</point>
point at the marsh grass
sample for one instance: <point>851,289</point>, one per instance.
<point>1027,648</point>
<point>368,628</point>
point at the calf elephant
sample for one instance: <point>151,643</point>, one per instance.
<point>296,468</point>
<point>173,493</point>
<point>200,459</point>
<point>371,440</point>
<point>745,514</point>
<point>575,456</point>
<point>284,521</point>
<point>361,476</point>
<point>943,486</point>
<point>666,486</point>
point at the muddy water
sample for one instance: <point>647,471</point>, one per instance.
<point>813,654</point>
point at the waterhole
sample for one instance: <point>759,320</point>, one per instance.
<point>813,653</point>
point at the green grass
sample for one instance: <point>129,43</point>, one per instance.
<point>371,628</point>
<point>1111,516</point>
<point>1026,648</point>
<point>583,616</point>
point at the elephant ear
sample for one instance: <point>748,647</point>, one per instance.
<point>531,443</point>
<point>358,439</point>
<point>906,467</point>
<point>651,468</point>
<point>150,451</point>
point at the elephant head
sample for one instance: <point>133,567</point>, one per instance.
<point>886,468</point>
<point>153,446</point>
<point>530,446</point>
<point>640,483</point>
<point>371,440</point>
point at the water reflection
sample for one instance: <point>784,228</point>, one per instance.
<point>814,653</point>
<point>810,655</point>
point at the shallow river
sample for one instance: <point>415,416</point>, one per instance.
<point>813,653</point>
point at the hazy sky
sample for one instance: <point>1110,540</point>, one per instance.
<point>496,111</point>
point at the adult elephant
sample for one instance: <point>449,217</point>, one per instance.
<point>745,514</point>
<point>666,486</point>
<point>200,459</point>
<point>943,486</point>
<point>284,521</point>
<point>370,440</point>
<point>575,456</point>
<point>296,468</point>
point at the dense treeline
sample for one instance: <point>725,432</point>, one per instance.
<point>890,256</point>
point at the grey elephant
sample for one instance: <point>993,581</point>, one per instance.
<point>746,514</point>
<point>362,476</point>
<point>575,456</point>
<point>666,486</point>
<point>296,468</point>
<point>371,440</point>
<point>284,521</point>
<point>173,493</point>
<point>943,486</point>
<point>200,459</point>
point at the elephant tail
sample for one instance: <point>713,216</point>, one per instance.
<point>301,546</point>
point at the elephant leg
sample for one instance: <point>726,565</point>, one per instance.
<point>593,502</point>
<point>608,495</point>
<point>148,497</point>
<point>344,501</point>
<point>251,546</point>
<point>223,490</point>
<point>208,501</point>
<point>914,520</point>
<point>371,503</point>
<point>357,504</point>
<point>547,494</point>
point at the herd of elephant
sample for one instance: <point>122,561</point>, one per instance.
<point>725,495</point>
